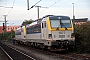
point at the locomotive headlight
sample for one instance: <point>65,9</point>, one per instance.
<point>72,35</point>
<point>68,35</point>
<point>50,36</point>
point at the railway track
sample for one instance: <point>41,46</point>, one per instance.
<point>4,55</point>
<point>71,56</point>
<point>15,54</point>
<point>58,56</point>
<point>78,56</point>
<point>64,55</point>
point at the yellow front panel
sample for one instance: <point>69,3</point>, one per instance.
<point>48,23</point>
<point>24,30</point>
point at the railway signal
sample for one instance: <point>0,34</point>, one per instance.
<point>3,27</point>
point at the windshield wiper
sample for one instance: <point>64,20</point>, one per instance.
<point>58,28</point>
<point>61,25</point>
<point>64,26</point>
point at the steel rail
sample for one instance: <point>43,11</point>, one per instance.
<point>6,53</point>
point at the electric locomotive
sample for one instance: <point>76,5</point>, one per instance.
<point>51,32</point>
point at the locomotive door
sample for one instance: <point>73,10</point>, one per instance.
<point>43,30</point>
<point>22,33</point>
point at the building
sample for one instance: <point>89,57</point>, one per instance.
<point>80,21</point>
<point>1,29</point>
<point>9,28</point>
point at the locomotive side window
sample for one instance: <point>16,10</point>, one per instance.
<point>18,32</point>
<point>34,29</point>
<point>42,25</point>
<point>37,29</point>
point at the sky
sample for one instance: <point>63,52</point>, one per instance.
<point>16,10</point>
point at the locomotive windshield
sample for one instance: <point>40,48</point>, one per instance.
<point>61,23</point>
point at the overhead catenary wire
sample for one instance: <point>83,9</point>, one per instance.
<point>4,6</point>
<point>30,8</point>
<point>12,7</point>
<point>40,11</point>
<point>8,7</point>
<point>47,7</point>
<point>35,4</point>
<point>50,6</point>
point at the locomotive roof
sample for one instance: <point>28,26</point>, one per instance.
<point>53,17</point>
<point>18,28</point>
<point>33,23</point>
<point>59,17</point>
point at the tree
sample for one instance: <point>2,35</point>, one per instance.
<point>27,22</point>
<point>7,35</point>
<point>82,35</point>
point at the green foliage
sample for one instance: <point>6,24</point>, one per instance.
<point>7,35</point>
<point>82,35</point>
<point>1,36</point>
<point>27,22</point>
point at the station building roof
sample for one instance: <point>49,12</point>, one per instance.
<point>81,20</point>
